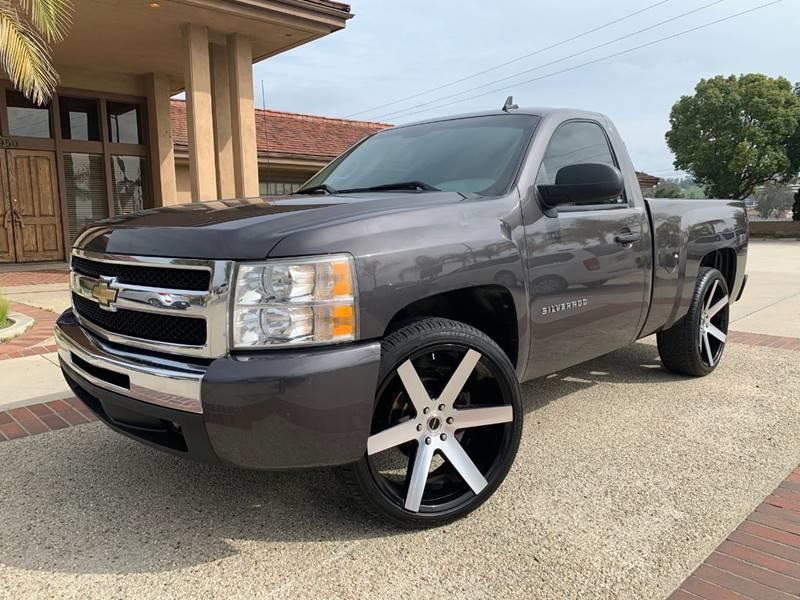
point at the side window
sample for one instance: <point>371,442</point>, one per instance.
<point>574,143</point>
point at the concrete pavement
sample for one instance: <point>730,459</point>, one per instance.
<point>627,477</point>
<point>771,301</point>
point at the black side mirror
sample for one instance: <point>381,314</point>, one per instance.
<point>583,183</point>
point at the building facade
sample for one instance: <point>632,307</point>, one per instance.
<point>291,147</point>
<point>105,144</point>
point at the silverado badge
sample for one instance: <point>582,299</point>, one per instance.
<point>549,310</point>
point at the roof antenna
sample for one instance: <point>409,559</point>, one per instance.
<point>509,105</point>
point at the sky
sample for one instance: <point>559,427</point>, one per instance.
<point>394,49</point>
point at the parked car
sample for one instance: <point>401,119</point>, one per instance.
<point>382,318</point>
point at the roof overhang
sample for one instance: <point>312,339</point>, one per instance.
<point>130,37</point>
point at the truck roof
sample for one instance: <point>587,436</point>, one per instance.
<point>563,113</point>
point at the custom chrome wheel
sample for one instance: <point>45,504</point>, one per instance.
<point>446,424</point>
<point>713,324</point>
<point>694,345</point>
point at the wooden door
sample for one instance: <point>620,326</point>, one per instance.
<point>34,197</point>
<point>7,250</point>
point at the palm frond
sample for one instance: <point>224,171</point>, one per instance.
<point>52,18</point>
<point>25,56</point>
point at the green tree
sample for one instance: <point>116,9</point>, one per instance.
<point>28,29</point>
<point>668,189</point>
<point>773,199</point>
<point>735,133</point>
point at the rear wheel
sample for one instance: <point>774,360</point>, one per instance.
<point>694,345</point>
<point>446,426</point>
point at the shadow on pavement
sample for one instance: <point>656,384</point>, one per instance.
<point>86,500</point>
<point>638,364</point>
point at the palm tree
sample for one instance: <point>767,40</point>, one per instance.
<point>27,30</point>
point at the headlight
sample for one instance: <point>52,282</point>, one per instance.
<point>294,301</point>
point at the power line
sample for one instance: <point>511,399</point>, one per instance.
<point>553,62</point>
<point>512,61</point>
<point>597,60</point>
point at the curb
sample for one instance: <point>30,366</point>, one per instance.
<point>20,323</point>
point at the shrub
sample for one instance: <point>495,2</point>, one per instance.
<point>3,312</point>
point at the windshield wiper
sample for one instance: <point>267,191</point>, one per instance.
<point>315,189</point>
<point>403,185</point>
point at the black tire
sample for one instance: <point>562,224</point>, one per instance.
<point>688,347</point>
<point>435,345</point>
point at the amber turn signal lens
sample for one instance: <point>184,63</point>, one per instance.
<point>343,321</point>
<point>342,279</point>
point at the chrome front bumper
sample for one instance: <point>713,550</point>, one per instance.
<point>168,383</point>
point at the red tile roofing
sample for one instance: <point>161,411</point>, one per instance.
<point>291,133</point>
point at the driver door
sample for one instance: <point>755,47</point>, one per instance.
<point>587,289</point>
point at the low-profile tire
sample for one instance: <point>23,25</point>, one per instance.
<point>446,426</point>
<point>694,345</point>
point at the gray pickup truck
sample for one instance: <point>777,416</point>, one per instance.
<point>382,318</point>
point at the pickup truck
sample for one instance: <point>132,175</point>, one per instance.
<point>382,318</point>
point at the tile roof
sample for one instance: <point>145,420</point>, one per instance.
<point>647,180</point>
<point>291,133</point>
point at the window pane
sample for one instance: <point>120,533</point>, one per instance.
<point>123,123</point>
<point>576,143</point>
<point>128,174</point>
<point>472,155</point>
<point>25,118</point>
<point>79,120</point>
<point>277,188</point>
<point>85,189</point>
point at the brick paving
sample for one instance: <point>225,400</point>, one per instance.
<point>760,559</point>
<point>768,341</point>
<point>37,340</point>
<point>41,418</point>
<point>17,278</point>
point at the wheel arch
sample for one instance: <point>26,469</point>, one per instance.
<point>724,261</point>
<point>488,308</point>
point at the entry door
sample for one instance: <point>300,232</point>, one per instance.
<point>7,251</point>
<point>31,191</point>
<point>587,282</point>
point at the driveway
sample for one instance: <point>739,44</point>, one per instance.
<point>627,477</point>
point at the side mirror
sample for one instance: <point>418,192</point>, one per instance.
<point>583,183</point>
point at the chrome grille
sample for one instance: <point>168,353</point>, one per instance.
<point>160,328</point>
<point>177,306</point>
<point>173,279</point>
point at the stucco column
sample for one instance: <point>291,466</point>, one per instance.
<point>223,133</point>
<point>199,113</point>
<point>243,118</point>
<point>162,149</point>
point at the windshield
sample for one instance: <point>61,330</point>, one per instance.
<point>478,155</point>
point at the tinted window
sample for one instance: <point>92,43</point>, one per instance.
<point>79,119</point>
<point>123,123</point>
<point>128,183</point>
<point>478,154</point>
<point>85,190</point>
<point>576,143</point>
<point>25,118</point>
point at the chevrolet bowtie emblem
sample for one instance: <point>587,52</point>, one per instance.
<point>104,294</point>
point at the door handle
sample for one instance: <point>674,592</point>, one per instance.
<point>18,217</point>
<point>627,237</point>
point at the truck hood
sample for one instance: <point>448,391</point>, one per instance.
<point>245,229</point>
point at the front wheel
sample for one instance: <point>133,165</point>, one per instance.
<point>446,426</point>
